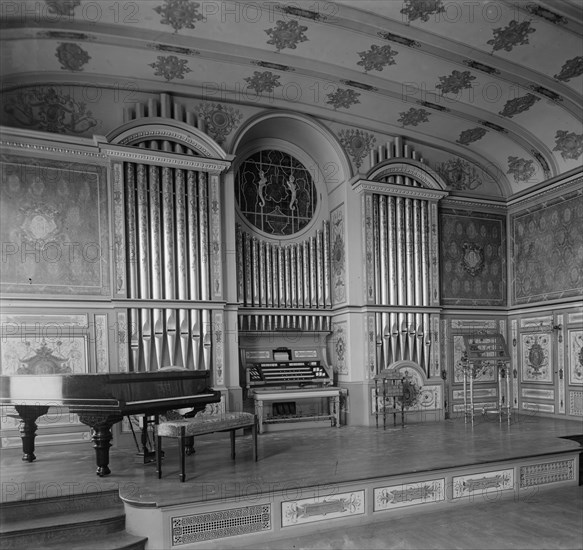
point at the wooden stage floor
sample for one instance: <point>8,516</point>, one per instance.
<point>290,460</point>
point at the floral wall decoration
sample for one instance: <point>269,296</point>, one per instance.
<point>422,9</point>
<point>264,81</point>
<point>342,98</point>
<point>572,68</point>
<point>220,119</point>
<point>414,117</point>
<point>71,56</point>
<point>459,174</point>
<point>49,110</point>
<point>286,34</point>
<point>536,353</point>
<point>514,34</point>
<point>521,169</point>
<point>518,105</point>
<point>455,82</point>
<point>338,254</point>
<point>170,67</point>
<point>377,58</point>
<point>339,342</point>
<point>62,7</point>
<point>471,135</point>
<point>576,357</point>
<point>179,14</point>
<point>569,144</point>
<point>357,143</point>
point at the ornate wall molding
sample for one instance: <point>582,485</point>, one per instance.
<point>362,186</point>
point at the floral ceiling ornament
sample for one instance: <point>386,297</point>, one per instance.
<point>220,119</point>
<point>342,98</point>
<point>514,34</point>
<point>459,174</point>
<point>357,143</point>
<point>455,82</point>
<point>518,105</point>
<point>377,58</point>
<point>179,14</point>
<point>50,110</point>
<point>414,116</point>
<point>287,34</point>
<point>264,81</point>
<point>472,258</point>
<point>469,136</point>
<point>521,169</point>
<point>71,56</point>
<point>569,144</point>
<point>422,9</point>
<point>170,67</point>
<point>62,7</point>
<point>571,69</point>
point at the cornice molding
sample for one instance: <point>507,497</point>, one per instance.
<point>361,186</point>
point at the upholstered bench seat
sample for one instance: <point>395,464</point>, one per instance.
<point>200,425</point>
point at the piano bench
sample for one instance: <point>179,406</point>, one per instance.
<point>200,425</point>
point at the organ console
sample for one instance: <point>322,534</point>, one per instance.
<point>101,400</point>
<point>292,382</point>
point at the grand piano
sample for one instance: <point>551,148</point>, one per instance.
<point>101,400</point>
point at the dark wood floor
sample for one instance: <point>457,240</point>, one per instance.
<point>300,458</point>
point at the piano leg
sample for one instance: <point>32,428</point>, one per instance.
<point>28,415</point>
<point>100,425</point>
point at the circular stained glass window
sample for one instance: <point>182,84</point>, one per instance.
<point>275,192</point>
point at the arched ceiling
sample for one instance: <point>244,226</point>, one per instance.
<point>495,84</point>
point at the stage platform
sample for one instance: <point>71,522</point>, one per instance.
<point>310,479</point>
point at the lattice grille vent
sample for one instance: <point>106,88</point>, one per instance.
<point>220,524</point>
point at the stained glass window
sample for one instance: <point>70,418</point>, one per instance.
<point>275,192</point>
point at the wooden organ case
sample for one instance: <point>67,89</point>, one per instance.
<point>289,382</point>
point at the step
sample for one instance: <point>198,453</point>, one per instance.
<point>57,529</point>
<point>113,541</point>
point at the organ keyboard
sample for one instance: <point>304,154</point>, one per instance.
<point>282,377</point>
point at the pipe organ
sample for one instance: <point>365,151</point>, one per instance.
<point>293,276</point>
<point>402,272</point>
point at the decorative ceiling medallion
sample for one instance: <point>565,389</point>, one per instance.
<point>287,34</point>
<point>413,117</point>
<point>514,34</point>
<point>220,120</point>
<point>435,106</point>
<point>179,14</point>
<point>274,66</point>
<point>359,85</point>
<point>399,39</point>
<point>539,11</point>
<point>546,92</point>
<point>459,174</point>
<point>493,126</point>
<point>422,9</point>
<point>518,105</point>
<point>166,48</point>
<point>472,258</point>
<point>263,82</point>
<point>170,67</point>
<point>543,162</point>
<point>481,67</point>
<point>71,56</point>
<point>521,169</point>
<point>62,7</point>
<point>571,69</point>
<point>343,98</point>
<point>49,110</point>
<point>569,144</point>
<point>469,136</point>
<point>357,143</point>
<point>377,58</point>
<point>455,82</point>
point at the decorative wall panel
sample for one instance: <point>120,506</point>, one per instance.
<point>575,357</point>
<point>339,346</point>
<point>309,510</point>
<point>547,247</point>
<point>409,494</point>
<point>576,403</point>
<point>479,484</point>
<point>536,358</point>
<point>54,228</point>
<point>338,255</point>
<point>473,266</point>
<point>547,472</point>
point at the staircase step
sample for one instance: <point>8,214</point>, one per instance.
<point>57,529</point>
<point>113,541</point>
